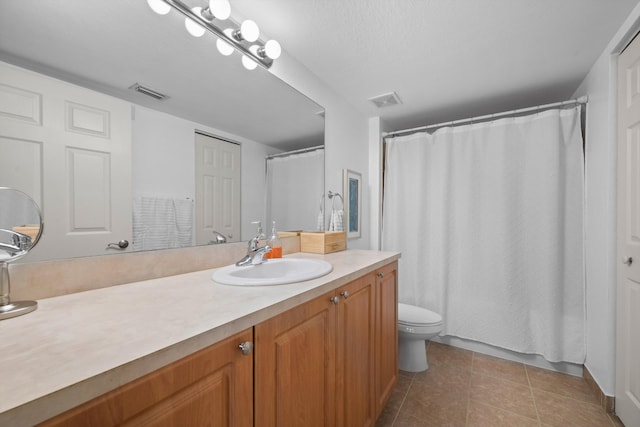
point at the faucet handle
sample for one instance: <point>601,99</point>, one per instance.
<point>258,257</point>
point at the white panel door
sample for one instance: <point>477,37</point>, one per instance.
<point>70,149</point>
<point>217,189</point>
<point>627,402</point>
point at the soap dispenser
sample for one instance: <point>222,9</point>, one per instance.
<point>274,242</point>
<point>260,237</point>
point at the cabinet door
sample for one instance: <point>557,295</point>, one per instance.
<point>213,387</point>
<point>355,353</point>
<point>295,367</point>
<point>386,333</point>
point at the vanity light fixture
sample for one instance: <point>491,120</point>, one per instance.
<point>218,9</point>
<point>244,38</point>
<point>192,27</point>
<point>248,31</point>
<point>159,6</point>
<point>249,63</point>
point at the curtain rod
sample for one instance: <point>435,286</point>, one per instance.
<point>300,151</point>
<point>580,100</point>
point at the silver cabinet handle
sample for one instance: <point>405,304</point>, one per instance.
<point>381,275</point>
<point>335,299</point>
<point>122,244</point>
<point>345,294</point>
<point>627,260</point>
<point>246,347</point>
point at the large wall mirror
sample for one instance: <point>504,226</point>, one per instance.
<point>108,47</point>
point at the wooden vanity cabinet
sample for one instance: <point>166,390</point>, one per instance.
<point>331,361</point>
<point>328,362</point>
<point>386,346</point>
<point>355,372</point>
<point>213,387</point>
<point>295,363</point>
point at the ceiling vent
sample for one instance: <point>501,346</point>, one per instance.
<point>149,92</point>
<point>386,100</point>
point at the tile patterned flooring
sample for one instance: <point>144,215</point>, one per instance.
<point>464,388</point>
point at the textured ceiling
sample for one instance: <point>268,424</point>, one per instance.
<point>446,59</point>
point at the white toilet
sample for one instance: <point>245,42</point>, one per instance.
<point>415,325</point>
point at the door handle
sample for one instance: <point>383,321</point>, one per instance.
<point>122,244</point>
<point>627,260</point>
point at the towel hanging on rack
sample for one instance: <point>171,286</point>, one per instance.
<point>336,220</point>
<point>320,224</point>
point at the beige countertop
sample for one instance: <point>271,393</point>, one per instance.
<point>76,347</point>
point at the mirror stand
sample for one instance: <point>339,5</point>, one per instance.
<point>20,229</point>
<point>10,309</point>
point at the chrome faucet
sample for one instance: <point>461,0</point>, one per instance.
<point>218,238</point>
<point>19,242</point>
<point>255,252</point>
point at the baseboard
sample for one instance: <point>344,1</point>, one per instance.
<point>607,402</point>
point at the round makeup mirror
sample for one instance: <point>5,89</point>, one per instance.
<point>20,229</point>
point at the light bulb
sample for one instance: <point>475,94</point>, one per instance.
<point>223,47</point>
<point>249,30</point>
<point>195,29</point>
<point>272,49</point>
<point>221,9</point>
<point>249,63</point>
<point>159,7</point>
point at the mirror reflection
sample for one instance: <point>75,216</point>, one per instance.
<point>115,156</point>
<point>20,230</point>
<point>20,224</point>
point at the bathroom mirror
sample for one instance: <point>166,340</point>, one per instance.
<point>20,229</point>
<point>110,46</point>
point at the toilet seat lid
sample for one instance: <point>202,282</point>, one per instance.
<point>413,315</point>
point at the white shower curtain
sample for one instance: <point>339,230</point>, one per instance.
<point>295,184</point>
<point>489,220</point>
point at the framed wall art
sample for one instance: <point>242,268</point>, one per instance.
<point>352,182</point>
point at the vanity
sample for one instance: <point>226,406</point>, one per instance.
<point>183,350</point>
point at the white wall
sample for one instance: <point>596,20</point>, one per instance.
<point>163,151</point>
<point>600,211</point>
<point>346,136</point>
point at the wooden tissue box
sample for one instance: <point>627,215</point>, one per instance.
<point>323,242</point>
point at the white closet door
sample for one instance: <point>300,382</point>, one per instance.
<point>217,189</point>
<point>628,283</point>
<point>70,149</point>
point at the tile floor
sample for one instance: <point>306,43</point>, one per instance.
<point>464,388</point>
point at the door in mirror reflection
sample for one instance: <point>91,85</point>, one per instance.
<point>217,167</point>
<point>74,151</point>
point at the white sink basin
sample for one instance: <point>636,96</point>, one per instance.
<point>273,272</point>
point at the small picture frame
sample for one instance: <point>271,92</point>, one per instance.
<point>352,183</point>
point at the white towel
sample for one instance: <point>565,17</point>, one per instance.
<point>336,222</point>
<point>320,225</point>
<point>161,223</point>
